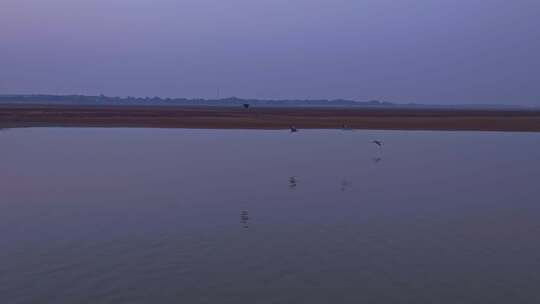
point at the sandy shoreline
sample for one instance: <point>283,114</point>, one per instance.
<point>13,116</point>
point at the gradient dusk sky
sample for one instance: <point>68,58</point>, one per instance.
<point>426,51</point>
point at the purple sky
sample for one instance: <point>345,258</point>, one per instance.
<point>428,51</point>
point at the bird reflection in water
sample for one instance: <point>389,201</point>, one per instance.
<point>345,127</point>
<point>293,183</point>
<point>244,219</point>
<point>377,160</point>
<point>344,185</point>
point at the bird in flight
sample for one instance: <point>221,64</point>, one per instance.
<point>377,142</point>
<point>293,182</point>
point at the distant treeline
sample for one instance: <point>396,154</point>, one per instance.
<point>41,99</point>
<point>104,100</point>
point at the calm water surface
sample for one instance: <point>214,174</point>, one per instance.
<point>207,216</point>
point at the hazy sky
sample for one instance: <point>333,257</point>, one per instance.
<point>429,51</point>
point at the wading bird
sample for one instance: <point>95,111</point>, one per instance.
<point>377,142</point>
<point>293,129</point>
<point>246,105</point>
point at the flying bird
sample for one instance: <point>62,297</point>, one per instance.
<point>377,142</point>
<point>293,182</point>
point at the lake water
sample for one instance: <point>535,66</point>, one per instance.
<point>220,216</point>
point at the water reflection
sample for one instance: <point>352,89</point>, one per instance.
<point>244,218</point>
<point>440,221</point>
<point>293,183</point>
<point>345,127</point>
<point>344,185</point>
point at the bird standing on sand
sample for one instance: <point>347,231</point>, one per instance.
<point>377,142</point>
<point>293,129</point>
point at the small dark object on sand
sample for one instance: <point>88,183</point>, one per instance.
<point>246,105</point>
<point>293,129</point>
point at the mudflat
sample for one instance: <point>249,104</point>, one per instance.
<point>212,117</point>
